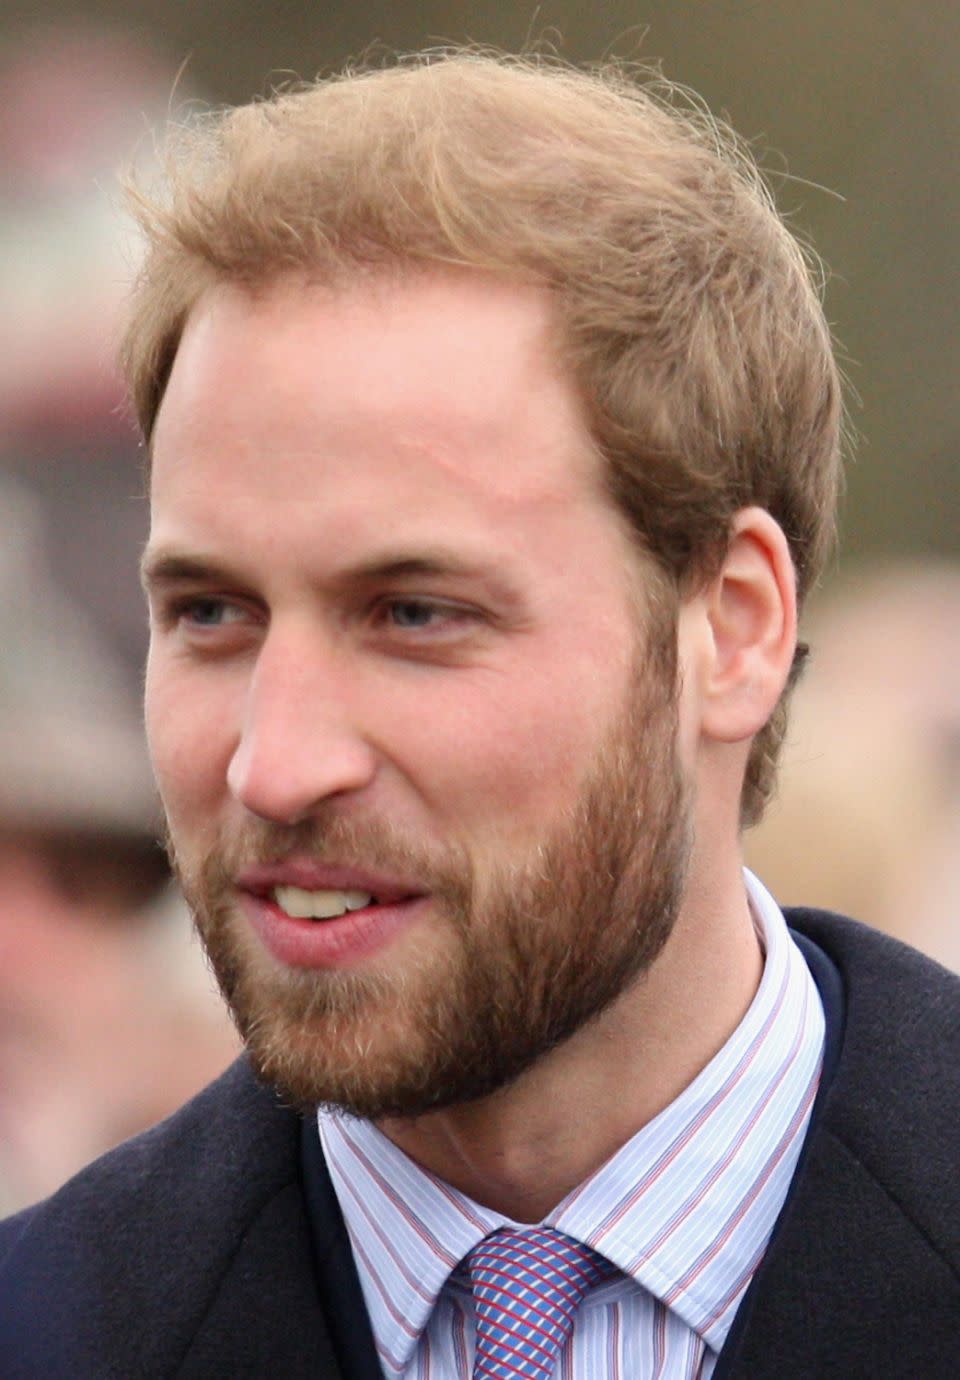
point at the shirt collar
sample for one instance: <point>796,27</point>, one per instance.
<point>685,1208</point>
<point>409,1230</point>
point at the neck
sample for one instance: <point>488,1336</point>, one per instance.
<point>522,1150</point>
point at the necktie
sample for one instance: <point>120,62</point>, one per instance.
<point>527,1286</point>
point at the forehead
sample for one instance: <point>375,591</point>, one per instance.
<point>439,387</point>
<point>458,343</point>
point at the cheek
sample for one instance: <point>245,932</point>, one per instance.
<point>503,758</point>
<point>189,737</point>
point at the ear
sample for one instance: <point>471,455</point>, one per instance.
<point>751,612</point>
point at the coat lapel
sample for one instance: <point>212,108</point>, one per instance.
<point>849,1288</point>
<point>266,1317</point>
<point>857,1280</point>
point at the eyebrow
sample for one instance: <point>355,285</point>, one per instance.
<point>163,566</point>
<point>159,567</point>
<point>440,561</point>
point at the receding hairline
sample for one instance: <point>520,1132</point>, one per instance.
<point>525,91</point>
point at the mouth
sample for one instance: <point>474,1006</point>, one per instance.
<point>311,920</point>
<point>326,904</point>
<point>305,890</point>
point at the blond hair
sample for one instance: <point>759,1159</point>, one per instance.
<point>688,313</point>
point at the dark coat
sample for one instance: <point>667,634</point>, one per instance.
<point>212,1246</point>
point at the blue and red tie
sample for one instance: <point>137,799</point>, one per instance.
<point>527,1285</point>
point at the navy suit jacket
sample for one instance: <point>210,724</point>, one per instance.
<point>213,1247</point>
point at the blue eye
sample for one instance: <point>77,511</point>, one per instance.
<point>412,613</point>
<point>205,613</point>
<point>208,613</point>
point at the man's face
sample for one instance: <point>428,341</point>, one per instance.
<point>412,714</point>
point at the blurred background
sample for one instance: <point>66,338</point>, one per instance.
<point>107,1016</point>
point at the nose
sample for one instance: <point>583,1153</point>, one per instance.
<point>301,743</point>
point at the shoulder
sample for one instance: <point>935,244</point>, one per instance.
<point>233,1132</point>
<point>869,955</point>
<point>887,988</point>
<point>862,1275</point>
<point>893,1102</point>
<point>109,1255</point>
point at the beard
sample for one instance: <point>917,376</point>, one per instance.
<point>516,958</point>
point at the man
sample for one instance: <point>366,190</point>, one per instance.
<point>494,436</point>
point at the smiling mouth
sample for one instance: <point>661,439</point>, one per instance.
<point>301,904</point>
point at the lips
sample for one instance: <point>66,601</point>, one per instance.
<point>316,916</point>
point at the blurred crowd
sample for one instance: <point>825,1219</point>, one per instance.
<point>108,1018</point>
<point>867,815</point>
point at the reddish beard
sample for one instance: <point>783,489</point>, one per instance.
<point>512,964</point>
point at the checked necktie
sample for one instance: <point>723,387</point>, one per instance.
<point>527,1286</point>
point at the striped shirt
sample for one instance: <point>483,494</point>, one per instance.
<point>684,1209</point>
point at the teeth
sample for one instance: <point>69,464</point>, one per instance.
<point>319,905</point>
